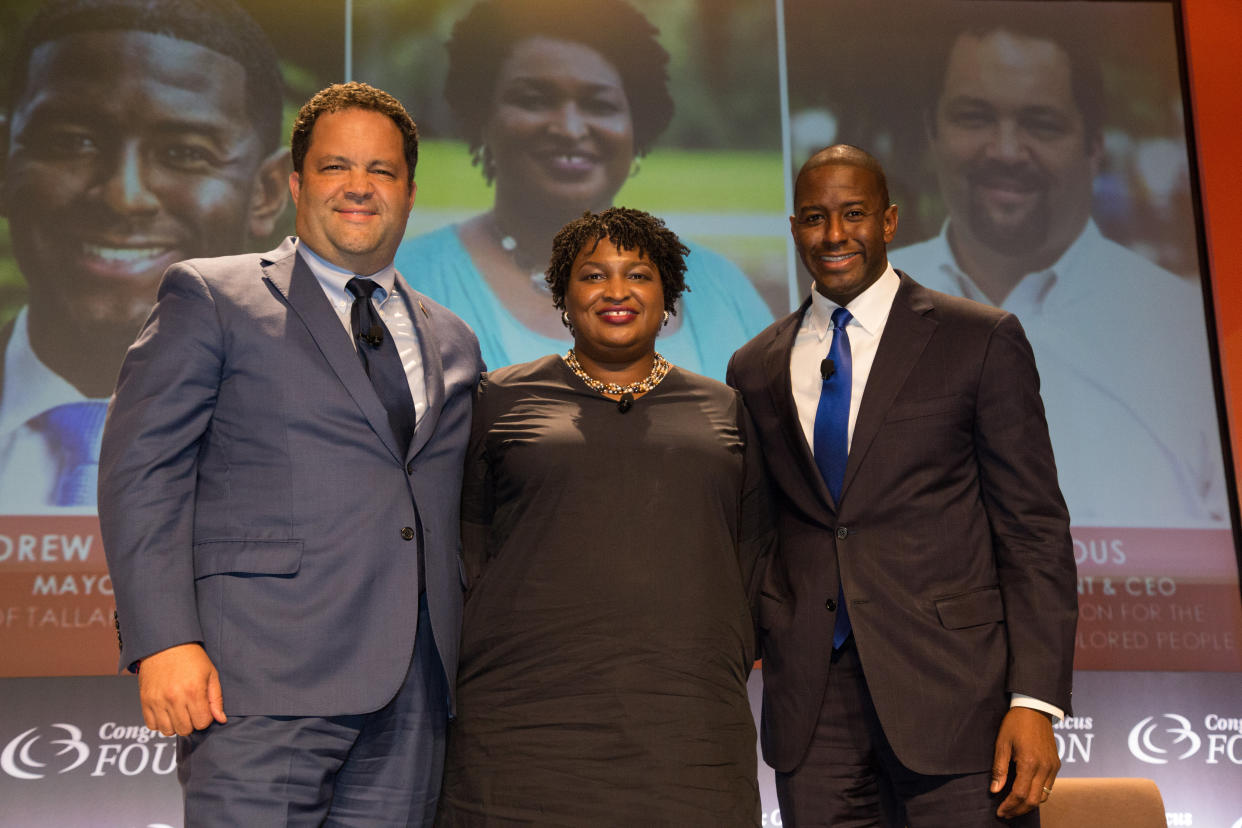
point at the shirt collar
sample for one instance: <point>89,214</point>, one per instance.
<point>869,308</point>
<point>30,387</point>
<point>334,278</point>
<point>1033,289</point>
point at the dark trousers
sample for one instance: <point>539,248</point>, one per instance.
<point>850,777</point>
<point>369,769</point>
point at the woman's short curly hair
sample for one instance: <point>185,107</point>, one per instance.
<point>485,37</point>
<point>627,229</point>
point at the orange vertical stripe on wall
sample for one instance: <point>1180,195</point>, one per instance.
<point>1213,34</point>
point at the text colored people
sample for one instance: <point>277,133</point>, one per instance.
<point>918,617</point>
<point>279,499</point>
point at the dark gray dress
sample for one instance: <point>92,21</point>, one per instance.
<point>607,634</point>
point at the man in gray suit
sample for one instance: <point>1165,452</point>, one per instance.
<point>279,490</point>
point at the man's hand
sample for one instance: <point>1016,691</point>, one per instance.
<point>180,690</point>
<point>1025,738</point>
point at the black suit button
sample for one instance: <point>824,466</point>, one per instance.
<point>831,605</point>
<point>409,467</point>
<point>842,532</point>
<point>407,533</point>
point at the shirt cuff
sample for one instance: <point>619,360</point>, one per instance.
<point>1020,700</point>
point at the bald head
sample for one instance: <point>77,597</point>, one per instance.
<point>850,156</point>
<point>843,222</point>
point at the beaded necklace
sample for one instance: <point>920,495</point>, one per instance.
<point>659,370</point>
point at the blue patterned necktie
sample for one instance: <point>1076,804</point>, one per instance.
<point>832,435</point>
<point>378,353</point>
<point>74,431</point>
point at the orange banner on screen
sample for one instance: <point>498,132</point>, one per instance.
<point>55,598</point>
<point>1157,599</point>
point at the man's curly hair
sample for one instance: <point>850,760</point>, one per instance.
<point>353,95</point>
<point>627,229</point>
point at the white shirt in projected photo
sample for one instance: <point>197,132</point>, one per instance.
<point>35,457</point>
<point>1125,376</point>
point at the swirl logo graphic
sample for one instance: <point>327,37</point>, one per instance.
<point>17,760</point>
<point>1144,746</point>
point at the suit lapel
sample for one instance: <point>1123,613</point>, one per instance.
<point>286,272</point>
<point>905,335</point>
<point>433,366</point>
<point>780,389</point>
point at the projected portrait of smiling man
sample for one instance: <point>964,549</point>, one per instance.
<point>1015,133</point>
<point>139,133</point>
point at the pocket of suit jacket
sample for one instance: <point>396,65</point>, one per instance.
<point>915,409</point>
<point>971,609</point>
<point>247,556</point>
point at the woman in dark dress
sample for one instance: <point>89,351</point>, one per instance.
<point>614,523</point>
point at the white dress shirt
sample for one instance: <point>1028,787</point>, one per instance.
<point>869,310</point>
<point>870,313</point>
<point>28,463</point>
<point>396,315</point>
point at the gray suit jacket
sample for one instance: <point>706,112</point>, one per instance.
<point>252,496</point>
<point>951,537</point>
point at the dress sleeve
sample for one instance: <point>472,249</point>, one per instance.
<point>477,490</point>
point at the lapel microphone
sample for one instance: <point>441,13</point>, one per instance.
<point>373,337</point>
<point>827,368</point>
<point>626,402</point>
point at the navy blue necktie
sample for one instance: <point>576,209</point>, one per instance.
<point>832,434</point>
<point>378,353</point>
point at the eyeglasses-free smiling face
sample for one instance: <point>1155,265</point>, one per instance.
<point>615,302</point>
<point>1014,162</point>
<point>128,152</point>
<point>354,195</point>
<point>841,228</point>
<point>560,133</point>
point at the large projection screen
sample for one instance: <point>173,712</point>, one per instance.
<point>123,151</point>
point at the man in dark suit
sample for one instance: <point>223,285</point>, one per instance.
<point>279,495</point>
<point>919,619</point>
<point>138,133</point>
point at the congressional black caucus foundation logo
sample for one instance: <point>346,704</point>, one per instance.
<point>60,748</point>
<point>1172,737</point>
